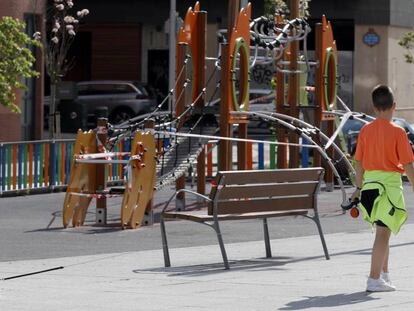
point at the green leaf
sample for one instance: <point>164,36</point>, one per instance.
<point>16,60</point>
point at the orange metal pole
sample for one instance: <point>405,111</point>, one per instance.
<point>225,154</point>
<point>233,10</point>
<point>317,160</point>
<point>294,88</point>
<point>180,104</point>
<point>102,135</point>
<point>201,45</point>
<point>249,155</point>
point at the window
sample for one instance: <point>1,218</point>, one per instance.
<point>106,89</point>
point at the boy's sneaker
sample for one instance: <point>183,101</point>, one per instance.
<point>386,277</point>
<point>379,285</point>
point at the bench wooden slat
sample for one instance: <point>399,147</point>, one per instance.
<point>254,195</point>
<point>267,190</point>
<point>263,205</point>
<point>270,176</point>
<point>201,216</point>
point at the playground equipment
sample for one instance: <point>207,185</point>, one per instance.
<point>166,144</point>
<point>83,183</point>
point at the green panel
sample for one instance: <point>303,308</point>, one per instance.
<point>71,151</point>
<point>303,77</point>
<point>272,154</point>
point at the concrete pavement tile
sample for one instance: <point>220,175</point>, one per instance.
<point>297,278</point>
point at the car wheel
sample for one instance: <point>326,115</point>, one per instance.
<point>121,115</point>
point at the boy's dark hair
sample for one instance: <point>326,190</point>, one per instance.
<point>382,97</point>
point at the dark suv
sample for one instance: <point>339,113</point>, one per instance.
<point>122,99</point>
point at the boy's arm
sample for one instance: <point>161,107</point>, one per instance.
<point>409,171</point>
<point>359,175</point>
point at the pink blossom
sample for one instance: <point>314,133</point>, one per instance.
<point>68,19</point>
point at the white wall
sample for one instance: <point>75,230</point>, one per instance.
<point>370,66</point>
<point>401,75</point>
<point>385,64</point>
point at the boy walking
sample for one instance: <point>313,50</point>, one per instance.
<point>383,154</point>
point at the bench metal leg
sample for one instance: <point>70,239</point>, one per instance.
<point>221,243</point>
<point>164,243</point>
<point>318,224</point>
<point>267,239</point>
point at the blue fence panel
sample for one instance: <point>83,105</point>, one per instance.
<point>67,163</point>
<point>305,154</point>
<point>261,155</point>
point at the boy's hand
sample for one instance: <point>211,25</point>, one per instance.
<point>357,193</point>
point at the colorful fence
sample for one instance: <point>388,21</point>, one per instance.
<point>41,166</point>
<point>44,165</point>
<point>260,156</point>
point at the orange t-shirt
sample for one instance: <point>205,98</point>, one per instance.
<point>384,146</point>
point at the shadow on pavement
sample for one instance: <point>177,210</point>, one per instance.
<point>255,265</point>
<point>329,301</point>
<point>251,264</point>
<point>85,230</point>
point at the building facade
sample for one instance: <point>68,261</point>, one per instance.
<point>128,40</point>
<point>29,124</point>
<point>377,26</point>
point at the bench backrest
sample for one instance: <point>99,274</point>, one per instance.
<point>250,191</point>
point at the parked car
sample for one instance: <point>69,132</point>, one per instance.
<point>122,99</point>
<point>352,128</point>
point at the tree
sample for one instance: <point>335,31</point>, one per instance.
<point>275,7</point>
<point>407,42</point>
<point>63,28</point>
<point>16,60</point>
<point>279,7</point>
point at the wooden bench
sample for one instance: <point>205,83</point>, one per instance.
<point>253,194</point>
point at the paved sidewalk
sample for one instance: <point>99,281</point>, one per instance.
<point>297,278</point>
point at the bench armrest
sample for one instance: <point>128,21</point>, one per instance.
<point>205,198</point>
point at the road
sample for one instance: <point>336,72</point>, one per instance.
<point>31,228</point>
